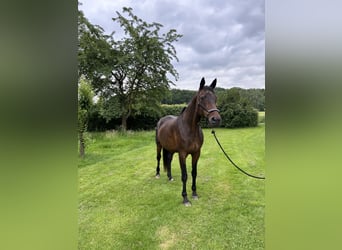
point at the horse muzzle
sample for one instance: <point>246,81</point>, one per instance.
<point>214,120</point>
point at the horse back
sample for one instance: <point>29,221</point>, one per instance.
<point>165,119</point>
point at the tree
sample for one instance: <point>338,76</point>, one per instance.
<point>178,96</point>
<point>85,102</point>
<point>129,74</point>
<point>229,96</point>
<point>254,97</point>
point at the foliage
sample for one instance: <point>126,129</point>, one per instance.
<point>146,119</point>
<point>175,109</point>
<point>254,98</point>
<point>85,95</point>
<point>85,102</point>
<point>229,96</point>
<point>129,74</point>
<point>236,112</point>
<point>232,116</point>
<point>122,205</point>
<point>235,116</point>
<point>94,51</point>
<point>178,96</point>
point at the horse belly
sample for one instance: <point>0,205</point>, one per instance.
<point>167,134</point>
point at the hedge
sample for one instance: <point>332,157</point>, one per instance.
<point>233,116</point>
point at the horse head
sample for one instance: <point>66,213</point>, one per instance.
<point>206,100</point>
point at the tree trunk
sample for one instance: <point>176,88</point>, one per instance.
<point>124,118</point>
<point>82,145</point>
<point>124,122</point>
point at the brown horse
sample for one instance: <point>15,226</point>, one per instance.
<point>183,134</point>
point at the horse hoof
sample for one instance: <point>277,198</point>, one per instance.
<point>171,179</point>
<point>187,204</point>
<point>157,176</point>
<point>195,197</point>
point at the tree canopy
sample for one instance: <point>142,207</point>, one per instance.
<point>131,74</point>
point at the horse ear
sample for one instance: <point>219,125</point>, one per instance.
<point>202,83</point>
<point>213,84</point>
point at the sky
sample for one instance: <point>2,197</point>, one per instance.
<point>223,39</point>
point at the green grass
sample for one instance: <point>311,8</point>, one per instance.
<point>123,206</point>
<point>261,116</point>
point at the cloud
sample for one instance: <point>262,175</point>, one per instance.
<point>221,39</point>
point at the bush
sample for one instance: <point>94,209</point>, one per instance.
<point>235,116</point>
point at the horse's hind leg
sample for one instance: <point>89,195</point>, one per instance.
<point>167,158</point>
<point>158,160</point>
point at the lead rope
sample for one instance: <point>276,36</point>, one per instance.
<point>227,156</point>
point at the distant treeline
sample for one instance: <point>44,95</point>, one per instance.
<point>252,97</point>
<point>238,108</point>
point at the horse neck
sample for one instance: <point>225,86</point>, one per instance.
<point>190,116</point>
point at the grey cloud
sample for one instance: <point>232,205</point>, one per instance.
<point>221,38</point>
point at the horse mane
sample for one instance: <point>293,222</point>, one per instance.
<point>183,109</point>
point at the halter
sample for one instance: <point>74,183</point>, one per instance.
<point>208,110</point>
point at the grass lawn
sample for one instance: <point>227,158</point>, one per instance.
<point>123,206</point>
<point>261,116</point>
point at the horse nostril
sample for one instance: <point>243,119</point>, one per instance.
<point>215,119</point>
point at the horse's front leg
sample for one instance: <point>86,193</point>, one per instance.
<point>195,158</point>
<point>182,162</point>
